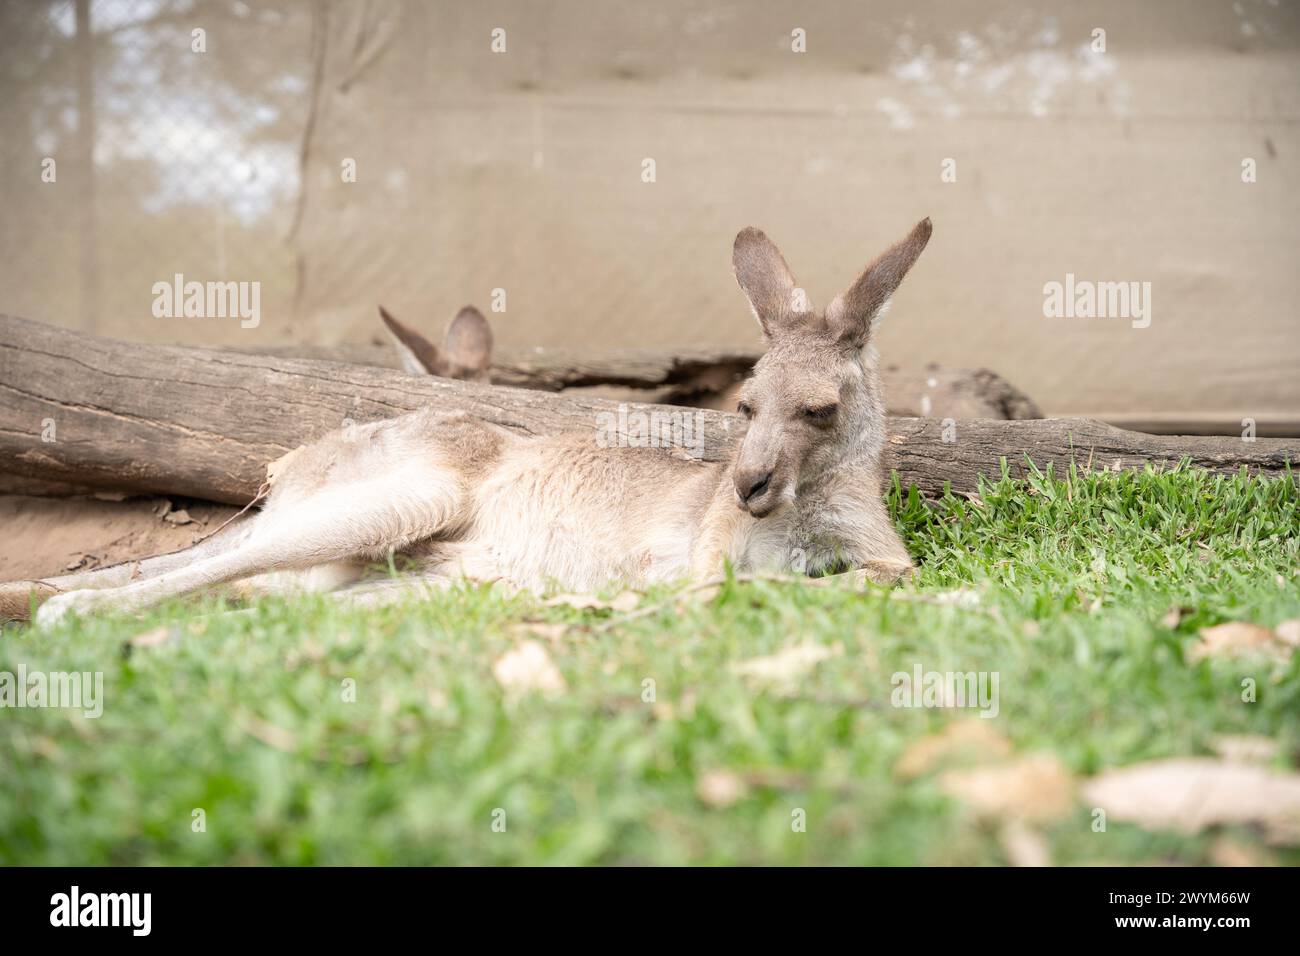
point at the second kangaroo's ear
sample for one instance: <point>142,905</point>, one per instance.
<point>467,347</point>
<point>419,356</point>
<point>765,279</point>
<point>852,314</point>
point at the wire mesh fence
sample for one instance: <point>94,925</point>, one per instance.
<point>426,154</point>
<point>145,140</point>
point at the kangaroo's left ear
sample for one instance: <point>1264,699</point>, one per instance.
<point>851,315</point>
<point>419,356</point>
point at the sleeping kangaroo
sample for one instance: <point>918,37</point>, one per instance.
<point>464,499</point>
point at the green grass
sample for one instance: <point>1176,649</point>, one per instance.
<point>244,716</point>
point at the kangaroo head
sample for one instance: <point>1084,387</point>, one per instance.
<point>814,399</point>
<point>466,348</point>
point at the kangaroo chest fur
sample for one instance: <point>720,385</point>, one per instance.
<point>567,513</point>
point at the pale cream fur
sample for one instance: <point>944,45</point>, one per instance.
<point>456,498</point>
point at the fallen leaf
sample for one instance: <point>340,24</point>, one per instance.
<point>626,601</point>
<point>1238,639</point>
<point>178,517</point>
<point>1225,851</point>
<point>528,668</point>
<point>786,665</point>
<point>1188,794</point>
<point>1033,789</point>
<point>1023,845</point>
<point>1245,748</point>
<point>270,734</point>
<point>720,788</point>
<point>555,633</point>
<point>959,742</point>
<point>154,637</point>
<point>1288,632</point>
<point>957,597</point>
<point>698,595</point>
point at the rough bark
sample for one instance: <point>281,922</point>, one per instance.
<point>705,377</point>
<point>204,422</point>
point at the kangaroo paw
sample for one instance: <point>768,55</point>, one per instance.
<point>886,572</point>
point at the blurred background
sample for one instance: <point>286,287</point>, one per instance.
<point>347,154</point>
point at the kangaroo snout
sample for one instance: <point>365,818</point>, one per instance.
<point>751,485</point>
<point>756,490</point>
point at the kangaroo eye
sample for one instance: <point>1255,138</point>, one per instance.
<point>823,413</point>
<point>745,409</point>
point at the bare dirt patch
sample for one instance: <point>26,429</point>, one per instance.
<point>41,537</point>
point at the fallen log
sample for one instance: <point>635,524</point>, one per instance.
<point>99,413</point>
<point>705,377</point>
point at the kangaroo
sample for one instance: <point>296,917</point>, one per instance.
<point>466,348</point>
<point>463,499</point>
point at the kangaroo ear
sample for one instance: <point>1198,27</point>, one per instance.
<point>467,347</point>
<point>765,279</point>
<point>419,356</point>
<point>851,315</point>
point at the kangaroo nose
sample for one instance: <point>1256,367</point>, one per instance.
<point>752,485</point>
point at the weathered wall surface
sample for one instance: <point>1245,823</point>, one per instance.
<point>523,171</point>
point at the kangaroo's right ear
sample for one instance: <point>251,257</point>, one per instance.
<point>467,347</point>
<point>419,356</point>
<point>764,277</point>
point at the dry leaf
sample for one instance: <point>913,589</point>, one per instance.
<point>1288,632</point>
<point>270,734</point>
<point>178,517</point>
<point>154,637</point>
<point>1238,639</point>
<point>786,665</point>
<point>1245,748</point>
<point>1023,845</point>
<point>1190,794</point>
<point>626,601</point>
<point>720,788</point>
<point>555,633</point>
<point>957,597</point>
<point>528,668</point>
<point>959,742</point>
<point>1033,789</point>
<point>1225,851</point>
<point>698,595</point>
